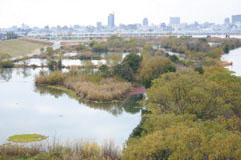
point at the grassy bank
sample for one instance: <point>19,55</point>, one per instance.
<point>19,47</point>
<point>87,86</point>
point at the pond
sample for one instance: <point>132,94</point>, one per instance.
<point>70,62</point>
<point>65,62</point>
<point>27,109</point>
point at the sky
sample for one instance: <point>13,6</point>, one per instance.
<point>88,12</point>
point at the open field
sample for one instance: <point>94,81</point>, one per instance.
<point>20,47</point>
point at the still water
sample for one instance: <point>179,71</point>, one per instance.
<point>65,62</point>
<point>27,109</point>
<point>234,56</point>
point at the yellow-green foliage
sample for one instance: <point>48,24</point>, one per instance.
<point>18,47</point>
<point>191,116</point>
<point>183,137</point>
<point>24,138</point>
<point>207,95</point>
<point>151,68</point>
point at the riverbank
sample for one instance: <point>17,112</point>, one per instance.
<point>21,47</point>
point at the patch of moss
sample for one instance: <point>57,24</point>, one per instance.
<point>25,138</point>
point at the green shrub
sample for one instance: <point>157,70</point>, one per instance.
<point>124,71</point>
<point>104,71</point>
<point>200,70</point>
<point>133,60</point>
<point>174,58</point>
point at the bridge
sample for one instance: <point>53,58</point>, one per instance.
<point>105,35</point>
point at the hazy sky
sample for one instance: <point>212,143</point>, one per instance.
<point>88,12</point>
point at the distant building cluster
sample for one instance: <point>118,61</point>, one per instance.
<point>175,25</point>
<point>236,19</point>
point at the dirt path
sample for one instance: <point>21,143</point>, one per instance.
<point>137,90</point>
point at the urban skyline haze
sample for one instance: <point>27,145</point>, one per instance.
<point>70,12</point>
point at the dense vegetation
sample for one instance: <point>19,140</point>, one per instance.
<point>193,106</point>
<point>200,51</point>
<point>191,116</point>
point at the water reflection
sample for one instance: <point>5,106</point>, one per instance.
<point>26,109</point>
<point>129,105</point>
<point>6,73</point>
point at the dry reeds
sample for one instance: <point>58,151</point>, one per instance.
<point>70,151</point>
<point>87,86</point>
<point>106,90</point>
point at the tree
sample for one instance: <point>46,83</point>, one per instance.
<point>173,58</point>
<point>182,137</point>
<point>226,48</point>
<point>42,50</point>
<point>100,47</point>
<point>152,68</point>
<point>133,60</point>
<point>200,70</point>
<point>52,65</point>
<point>59,64</point>
<point>104,70</point>
<point>50,51</point>
<point>92,43</point>
<point>124,71</point>
<point>81,47</point>
<point>189,92</point>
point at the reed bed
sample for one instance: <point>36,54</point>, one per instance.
<point>84,150</point>
<point>87,86</point>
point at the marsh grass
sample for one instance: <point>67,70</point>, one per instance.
<point>51,78</point>
<point>87,86</point>
<point>84,150</point>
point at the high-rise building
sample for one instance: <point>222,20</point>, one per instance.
<point>111,20</point>
<point>236,19</point>
<point>99,25</point>
<point>25,27</point>
<point>175,20</point>
<point>227,21</point>
<point>145,22</point>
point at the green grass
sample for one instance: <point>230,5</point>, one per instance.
<point>18,47</point>
<point>25,138</point>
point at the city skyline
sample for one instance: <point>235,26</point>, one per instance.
<point>145,22</point>
<point>42,12</point>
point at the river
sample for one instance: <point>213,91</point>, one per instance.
<point>27,109</point>
<point>234,56</point>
